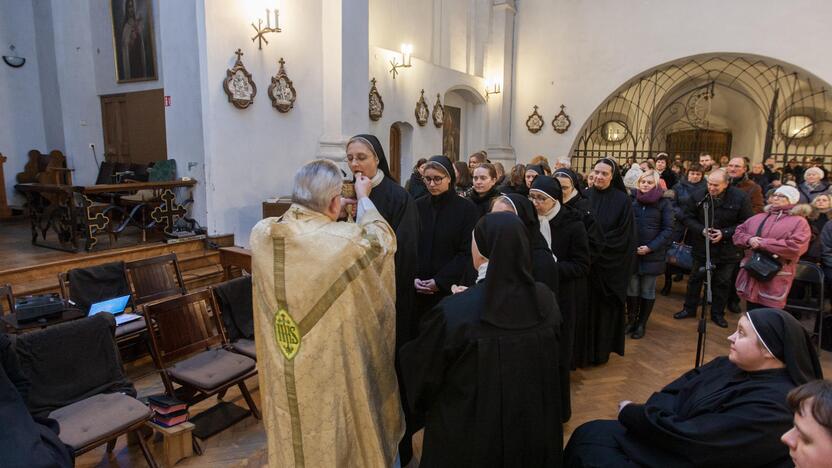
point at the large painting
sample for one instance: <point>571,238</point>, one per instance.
<point>135,53</point>
<point>450,133</point>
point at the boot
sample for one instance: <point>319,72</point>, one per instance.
<point>632,314</point>
<point>645,308</point>
<point>668,283</point>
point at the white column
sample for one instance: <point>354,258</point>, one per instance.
<point>500,65</point>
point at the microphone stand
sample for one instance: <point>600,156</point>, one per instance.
<point>708,298</point>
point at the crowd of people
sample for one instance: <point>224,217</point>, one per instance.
<point>501,283</point>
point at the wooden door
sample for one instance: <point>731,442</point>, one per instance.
<point>394,155</point>
<point>691,143</point>
<point>134,127</point>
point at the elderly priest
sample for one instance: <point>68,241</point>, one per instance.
<point>325,325</point>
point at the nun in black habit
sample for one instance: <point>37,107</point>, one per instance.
<point>568,241</point>
<point>483,370</point>
<point>366,155</point>
<point>609,275</point>
<point>730,412</point>
<point>444,238</point>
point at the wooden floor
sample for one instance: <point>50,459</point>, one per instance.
<point>667,351</point>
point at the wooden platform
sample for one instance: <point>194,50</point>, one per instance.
<point>32,269</point>
<point>664,353</point>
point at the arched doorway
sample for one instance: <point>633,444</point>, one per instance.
<point>400,149</point>
<point>462,129</point>
<point>768,108</point>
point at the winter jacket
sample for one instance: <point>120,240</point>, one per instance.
<point>786,234</point>
<point>753,191</point>
<point>655,227</point>
<point>416,186</point>
<point>808,194</point>
<point>817,221</point>
<point>729,210</point>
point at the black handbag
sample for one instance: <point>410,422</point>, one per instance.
<point>762,265</point>
<point>680,255</point>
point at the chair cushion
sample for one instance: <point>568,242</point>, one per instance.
<point>99,415</point>
<point>246,347</point>
<point>211,369</point>
<point>131,327</point>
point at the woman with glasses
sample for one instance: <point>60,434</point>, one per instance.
<point>444,238</point>
<point>483,191</point>
<point>563,229</point>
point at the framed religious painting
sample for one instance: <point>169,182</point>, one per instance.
<point>281,91</point>
<point>421,110</point>
<point>238,85</point>
<point>561,122</point>
<point>535,121</point>
<point>438,112</point>
<point>451,132</point>
<point>376,103</point>
<point>133,42</point>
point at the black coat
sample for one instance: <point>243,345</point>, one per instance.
<point>681,196</point>
<point>593,230</point>
<point>654,223</point>
<point>416,186</point>
<point>669,177</point>
<point>483,202</point>
<point>729,211</point>
<point>490,396</point>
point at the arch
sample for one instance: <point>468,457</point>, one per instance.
<point>469,93</point>
<point>403,154</point>
<point>678,95</point>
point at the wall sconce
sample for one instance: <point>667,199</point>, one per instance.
<point>263,30</point>
<point>407,51</point>
<point>492,86</point>
<point>13,60</point>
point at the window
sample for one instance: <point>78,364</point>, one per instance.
<point>797,126</point>
<point>614,131</point>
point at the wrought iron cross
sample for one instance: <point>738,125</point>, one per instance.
<point>168,211</point>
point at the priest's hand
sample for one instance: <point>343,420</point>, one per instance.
<point>363,185</point>
<point>622,404</point>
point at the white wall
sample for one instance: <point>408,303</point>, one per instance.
<point>578,53</point>
<point>21,113</point>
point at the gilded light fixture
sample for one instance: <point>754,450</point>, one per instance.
<point>407,52</point>
<point>263,30</point>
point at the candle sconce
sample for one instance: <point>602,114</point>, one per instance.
<point>407,51</point>
<point>263,30</point>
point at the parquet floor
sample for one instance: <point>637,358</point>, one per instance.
<point>665,352</point>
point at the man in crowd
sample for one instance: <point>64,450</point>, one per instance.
<point>738,175</point>
<point>325,323</point>
<point>729,207</point>
<point>707,162</point>
<point>759,176</point>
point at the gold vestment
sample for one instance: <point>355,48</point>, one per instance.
<point>325,320</point>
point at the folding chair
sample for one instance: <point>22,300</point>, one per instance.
<point>812,296</point>
<point>155,278</point>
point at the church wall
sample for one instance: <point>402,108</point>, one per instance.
<point>252,154</point>
<point>21,113</point>
<point>578,53</point>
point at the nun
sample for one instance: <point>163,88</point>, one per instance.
<point>575,199</point>
<point>729,412</point>
<point>532,171</point>
<point>610,273</point>
<point>561,226</point>
<point>365,155</point>
<point>483,370</point>
<point>444,237</point>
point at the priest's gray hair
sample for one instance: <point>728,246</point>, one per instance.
<point>316,183</point>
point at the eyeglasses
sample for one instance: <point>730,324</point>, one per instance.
<point>537,198</point>
<point>433,180</point>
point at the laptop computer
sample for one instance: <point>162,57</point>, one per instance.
<point>116,307</point>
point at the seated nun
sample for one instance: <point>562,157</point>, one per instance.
<point>729,412</point>
<point>484,369</point>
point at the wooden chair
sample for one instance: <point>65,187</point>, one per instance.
<point>6,295</point>
<point>119,285</point>
<point>155,278</point>
<point>811,297</point>
<point>190,350</point>
<point>237,315</point>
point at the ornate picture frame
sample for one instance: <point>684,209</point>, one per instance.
<point>134,48</point>
<point>438,112</point>
<point>281,91</point>
<point>535,121</point>
<point>561,122</point>
<point>238,84</point>
<point>421,110</point>
<point>376,103</point>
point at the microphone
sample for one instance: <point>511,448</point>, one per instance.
<point>704,199</point>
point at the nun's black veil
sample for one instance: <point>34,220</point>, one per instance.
<point>550,186</point>
<point>573,177</point>
<point>789,342</point>
<point>448,165</point>
<point>375,145</point>
<point>510,290</point>
<point>526,212</point>
<point>617,180</point>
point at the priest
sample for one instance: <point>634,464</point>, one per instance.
<point>324,319</point>
<point>610,271</point>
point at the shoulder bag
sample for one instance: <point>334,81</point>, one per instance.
<point>762,265</point>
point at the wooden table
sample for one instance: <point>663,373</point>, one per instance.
<point>234,257</point>
<point>68,314</point>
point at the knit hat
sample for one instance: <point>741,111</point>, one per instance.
<point>789,192</point>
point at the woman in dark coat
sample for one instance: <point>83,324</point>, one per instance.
<point>415,186</point>
<point>515,182</point>
<point>483,192</point>
<point>366,155</point>
<point>654,221</point>
<point>444,237</point>
<point>730,412</point>
<point>483,369</point>
<point>610,274</point>
<point>569,244</point>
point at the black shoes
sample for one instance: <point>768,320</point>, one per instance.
<point>719,321</point>
<point>645,308</point>
<point>734,307</point>
<point>683,314</point>
<point>666,288</point>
